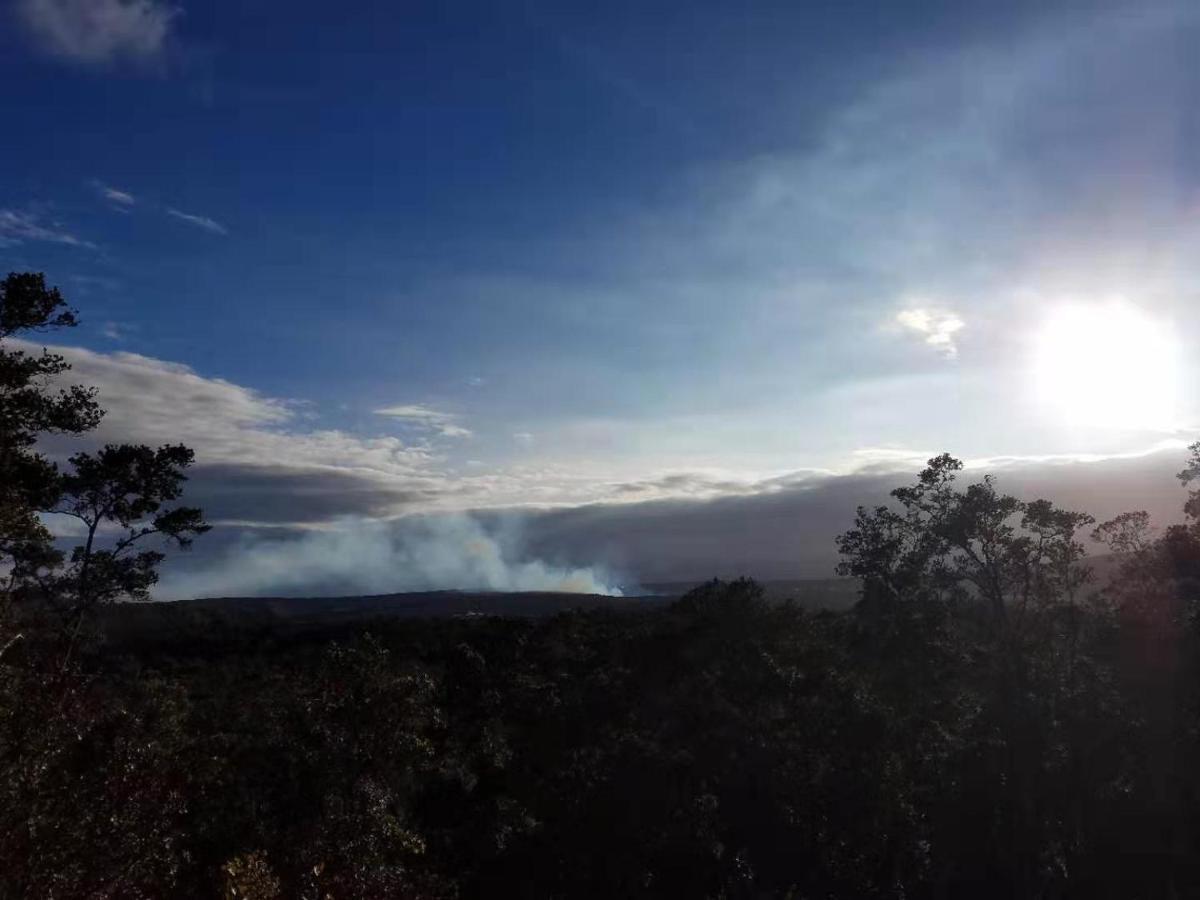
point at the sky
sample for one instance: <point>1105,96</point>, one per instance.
<point>396,259</point>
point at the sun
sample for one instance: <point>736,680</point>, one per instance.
<point>1106,365</point>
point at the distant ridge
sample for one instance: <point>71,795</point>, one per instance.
<point>216,619</point>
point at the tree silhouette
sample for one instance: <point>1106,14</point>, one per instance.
<point>954,546</point>
<point>123,485</point>
<point>126,486</point>
<point>31,407</point>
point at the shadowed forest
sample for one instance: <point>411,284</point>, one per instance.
<point>991,719</point>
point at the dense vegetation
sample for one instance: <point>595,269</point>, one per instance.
<point>986,722</point>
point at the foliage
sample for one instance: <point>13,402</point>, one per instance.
<point>122,486</point>
<point>950,546</point>
<point>30,408</point>
<point>721,747</point>
<point>90,783</point>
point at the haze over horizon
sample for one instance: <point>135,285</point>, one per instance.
<point>705,268</point>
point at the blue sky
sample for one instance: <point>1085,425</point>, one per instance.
<point>461,255</point>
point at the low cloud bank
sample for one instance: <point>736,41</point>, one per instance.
<point>789,531</point>
<point>362,557</point>
<point>785,532</point>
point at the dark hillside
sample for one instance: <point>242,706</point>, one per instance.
<point>216,619</point>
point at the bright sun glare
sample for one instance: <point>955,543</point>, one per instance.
<point>1106,365</point>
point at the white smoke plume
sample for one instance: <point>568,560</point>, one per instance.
<point>371,557</point>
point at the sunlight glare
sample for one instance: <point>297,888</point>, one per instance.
<point>1106,365</point>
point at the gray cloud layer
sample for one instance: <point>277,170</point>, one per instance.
<point>780,530</point>
<point>256,460</point>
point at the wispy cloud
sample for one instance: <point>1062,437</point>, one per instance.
<point>199,221</point>
<point>113,331</point>
<point>114,195</point>
<point>18,227</point>
<point>100,31</point>
<point>937,329</point>
<point>426,418</point>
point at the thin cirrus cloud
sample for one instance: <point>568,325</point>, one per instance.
<point>427,419</point>
<point>936,329</point>
<point>17,228</point>
<point>203,222</point>
<point>123,201</point>
<point>97,32</point>
<point>116,196</point>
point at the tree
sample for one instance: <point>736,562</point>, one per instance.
<point>1157,581</point>
<point>30,408</point>
<point>991,585</point>
<point>946,545</point>
<point>82,763</point>
<point>733,601</point>
<point>123,485</point>
<point>1190,474</point>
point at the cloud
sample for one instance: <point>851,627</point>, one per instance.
<point>18,227</point>
<point>778,528</point>
<point>785,528</point>
<point>981,171</point>
<point>688,484</point>
<point>293,502</point>
<point>296,494</point>
<point>115,196</point>
<point>264,468</point>
<point>523,437</point>
<point>113,331</point>
<point>199,221</point>
<point>937,329</point>
<point>100,31</point>
<point>427,419</point>
<point>262,446</point>
<point>264,461</point>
